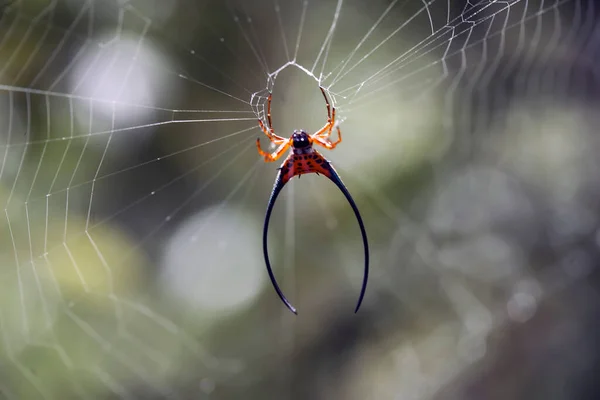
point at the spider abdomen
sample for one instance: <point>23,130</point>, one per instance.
<point>300,164</point>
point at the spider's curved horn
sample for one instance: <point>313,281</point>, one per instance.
<point>335,178</point>
<point>279,183</point>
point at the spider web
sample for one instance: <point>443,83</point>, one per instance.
<point>133,195</point>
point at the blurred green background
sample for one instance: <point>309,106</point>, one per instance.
<point>133,200</point>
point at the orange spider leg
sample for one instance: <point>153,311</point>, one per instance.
<point>325,132</point>
<point>272,136</point>
<point>270,132</point>
<point>269,157</point>
<point>326,102</point>
<point>330,117</point>
<point>339,133</point>
<point>322,138</point>
<point>269,113</point>
<point>328,144</point>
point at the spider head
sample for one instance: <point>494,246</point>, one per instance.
<point>300,139</point>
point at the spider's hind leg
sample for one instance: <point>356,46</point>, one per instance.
<point>325,131</point>
<point>327,103</point>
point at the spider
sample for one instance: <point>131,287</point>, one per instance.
<point>304,159</point>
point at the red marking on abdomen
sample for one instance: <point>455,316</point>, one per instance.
<point>300,164</point>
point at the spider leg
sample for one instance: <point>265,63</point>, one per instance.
<point>276,154</point>
<point>272,136</point>
<point>337,128</point>
<point>326,102</point>
<point>328,144</point>
<point>324,134</point>
<point>330,117</point>
<point>270,132</point>
<point>339,140</point>
<point>279,183</point>
<point>269,113</point>
<point>325,131</point>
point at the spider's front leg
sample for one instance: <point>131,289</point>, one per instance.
<point>322,136</point>
<point>328,144</point>
<point>338,141</point>
<point>270,157</point>
<point>270,134</point>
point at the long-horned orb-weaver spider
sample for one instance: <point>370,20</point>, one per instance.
<point>304,159</point>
